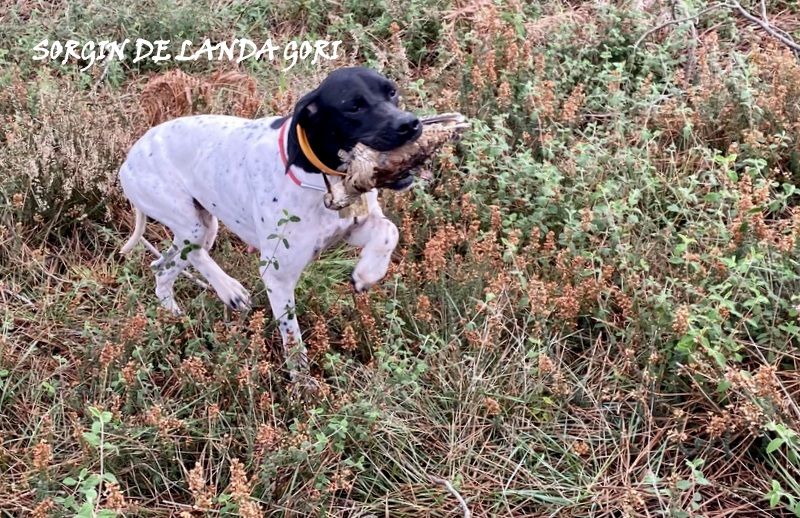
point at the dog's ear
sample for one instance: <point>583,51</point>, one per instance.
<point>305,113</point>
<point>306,108</point>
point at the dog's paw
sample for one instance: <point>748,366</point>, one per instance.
<point>235,296</point>
<point>305,387</point>
<point>358,285</point>
<point>169,304</point>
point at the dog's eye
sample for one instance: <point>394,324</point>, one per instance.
<point>356,106</point>
<point>392,93</point>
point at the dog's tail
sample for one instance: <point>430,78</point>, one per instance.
<point>138,231</point>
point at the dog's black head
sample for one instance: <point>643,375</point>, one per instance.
<point>351,105</point>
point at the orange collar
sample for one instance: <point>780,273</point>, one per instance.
<point>305,147</point>
<point>285,160</point>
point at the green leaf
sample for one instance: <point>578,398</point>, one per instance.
<point>683,485</point>
<point>68,502</point>
<point>774,444</point>
<point>651,479</point>
<point>48,387</point>
<point>91,438</point>
<point>69,481</point>
<point>91,482</point>
<point>91,495</point>
<point>718,356</point>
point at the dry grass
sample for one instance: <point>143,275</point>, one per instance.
<point>592,311</point>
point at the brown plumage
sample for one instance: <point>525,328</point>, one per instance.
<point>368,169</point>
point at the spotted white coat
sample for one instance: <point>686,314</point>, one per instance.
<point>191,172</point>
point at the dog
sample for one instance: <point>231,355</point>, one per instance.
<point>258,178</point>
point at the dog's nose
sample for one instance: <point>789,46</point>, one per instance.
<point>407,124</point>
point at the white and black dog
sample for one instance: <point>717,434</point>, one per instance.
<point>191,172</point>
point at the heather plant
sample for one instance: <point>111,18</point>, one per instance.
<point>592,311</point>
<point>57,165</point>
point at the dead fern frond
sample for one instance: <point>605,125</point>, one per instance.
<point>171,94</point>
<point>176,94</point>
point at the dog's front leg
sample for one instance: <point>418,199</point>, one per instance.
<point>377,236</point>
<point>280,275</point>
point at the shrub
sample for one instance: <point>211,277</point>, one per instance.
<point>592,310</point>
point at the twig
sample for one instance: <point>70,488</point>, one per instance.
<point>153,250</point>
<point>675,22</point>
<point>691,58</point>
<point>447,485</point>
<point>102,74</point>
<point>766,26</point>
<point>10,292</point>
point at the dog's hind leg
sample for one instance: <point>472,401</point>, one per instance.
<point>204,232</point>
<point>194,230</point>
<point>184,252</point>
<point>167,269</point>
<point>190,223</point>
<point>194,241</point>
<point>210,224</point>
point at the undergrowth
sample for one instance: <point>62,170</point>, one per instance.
<point>593,310</point>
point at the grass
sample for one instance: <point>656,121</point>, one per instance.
<point>592,311</point>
